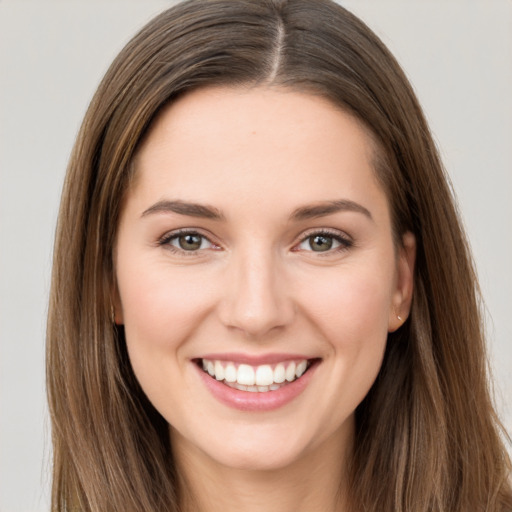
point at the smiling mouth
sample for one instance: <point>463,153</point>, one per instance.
<point>258,379</point>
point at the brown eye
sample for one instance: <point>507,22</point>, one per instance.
<point>190,242</point>
<point>187,241</point>
<point>320,243</point>
<point>325,242</point>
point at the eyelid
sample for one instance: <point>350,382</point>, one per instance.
<point>342,237</point>
<point>164,240</point>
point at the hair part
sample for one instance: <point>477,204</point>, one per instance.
<point>427,437</point>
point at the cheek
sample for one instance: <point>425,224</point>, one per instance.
<point>351,313</point>
<point>356,329</point>
<point>351,306</point>
<point>161,310</point>
<point>160,307</point>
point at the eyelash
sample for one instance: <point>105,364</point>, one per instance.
<point>165,241</point>
<point>343,240</point>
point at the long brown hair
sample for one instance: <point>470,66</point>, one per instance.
<point>427,437</point>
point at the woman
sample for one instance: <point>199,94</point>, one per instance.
<point>262,295</point>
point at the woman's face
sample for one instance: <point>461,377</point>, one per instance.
<point>257,276</point>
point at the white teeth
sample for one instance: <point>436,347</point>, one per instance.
<point>245,375</point>
<point>260,389</point>
<point>299,371</point>
<point>290,372</point>
<point>219,371</point>
<point>279,374</point>
<point>264,375</point>
<point>230,373</point>
<point>255,379</point>
<point>235,385</point>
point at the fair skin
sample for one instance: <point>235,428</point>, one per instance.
<point>256,234</point>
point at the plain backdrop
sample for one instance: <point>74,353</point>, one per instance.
<point>458,55</point>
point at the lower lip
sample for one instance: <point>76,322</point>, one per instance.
<point>254,401</point>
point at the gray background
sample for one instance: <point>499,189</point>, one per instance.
<point>458,55</point>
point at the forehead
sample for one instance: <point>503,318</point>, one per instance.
<point>244,142</point>
<point>254,111</point>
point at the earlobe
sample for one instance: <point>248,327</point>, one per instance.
<point>117,317</point>
<point>402,298</point>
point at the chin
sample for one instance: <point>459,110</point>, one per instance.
<point>252,458</point>
<point>266,447</point>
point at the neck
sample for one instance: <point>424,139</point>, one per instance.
<point>317,481</point>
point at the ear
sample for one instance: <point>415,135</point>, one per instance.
<point>402,296</point>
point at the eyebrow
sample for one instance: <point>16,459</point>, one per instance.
<point>328,208</point>
<point>185,208</point>
<point>210,212</point>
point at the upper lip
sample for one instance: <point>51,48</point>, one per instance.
<point>255,360</point>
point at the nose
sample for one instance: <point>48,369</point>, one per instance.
<point>256,299</point>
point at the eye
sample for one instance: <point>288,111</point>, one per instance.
<point>324,242</point>
<point>187,241</point>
